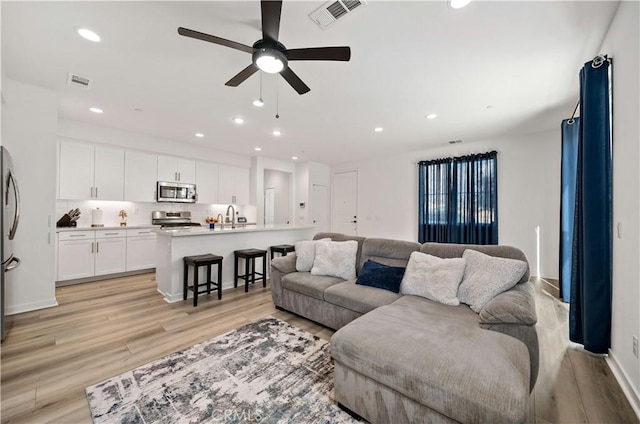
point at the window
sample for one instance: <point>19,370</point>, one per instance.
<point>458,200</point>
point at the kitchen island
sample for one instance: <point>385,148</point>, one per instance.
<point>174,244</point>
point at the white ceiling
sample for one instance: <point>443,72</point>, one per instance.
<point>408,59</point>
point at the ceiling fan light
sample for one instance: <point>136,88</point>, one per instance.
<point>269,64</point>
<point>258,102</point>
<point>458,4</point>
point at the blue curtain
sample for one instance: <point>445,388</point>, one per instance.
<point>570,137</point>
<point>458,200</point>
<point>592,253</point>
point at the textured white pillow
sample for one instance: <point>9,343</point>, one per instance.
<point>336,259</point>
<point>486,277</point>
<point>305,254</point>
<point>434,278</point>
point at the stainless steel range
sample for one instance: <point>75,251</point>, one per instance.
<point>173,219</point>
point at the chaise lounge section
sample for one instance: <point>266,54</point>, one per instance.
<point>410,359</point>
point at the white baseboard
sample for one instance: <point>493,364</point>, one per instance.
<point>627,388</point>
<point>33,306</point>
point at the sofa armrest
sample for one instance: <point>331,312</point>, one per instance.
<point>515,306</point>
<point>285,264</point>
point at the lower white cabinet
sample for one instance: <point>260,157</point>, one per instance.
<point>141,249</point>
<point>92,253</point>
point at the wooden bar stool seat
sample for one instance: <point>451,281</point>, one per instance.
<point>198,261</point>
<point>249,256</point>
<point>283,249</point>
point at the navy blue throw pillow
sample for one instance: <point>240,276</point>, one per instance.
<point>381,276</point>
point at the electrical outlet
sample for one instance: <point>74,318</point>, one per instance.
<point>635,346</point>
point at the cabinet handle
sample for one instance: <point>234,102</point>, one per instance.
<point>144,232</point>
<point>96,192</point>
<point>110,234</point>
<point>97,247</point>
<point>91,247</point>
<point>179,176</point>
<point>77,235</point>
<point>91,197</point>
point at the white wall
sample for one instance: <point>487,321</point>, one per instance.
<point>258,166</point>
<point>29,127</point>
<point>280,182</point>
<point>622,45</point>
<point>528,193</point>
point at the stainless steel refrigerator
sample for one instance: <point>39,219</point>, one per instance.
<point>9,217</point>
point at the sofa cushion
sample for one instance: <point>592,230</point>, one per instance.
<point>374,274</point>
<point>449,365</point>
<point>486,276</point>
<point>358,298</point>
<point>336,259</point>
<point>434,278</point>
<point>387,252</point>
<point>307,284</point>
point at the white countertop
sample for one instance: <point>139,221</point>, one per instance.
<point>132,227</point>
<point>205,231</point>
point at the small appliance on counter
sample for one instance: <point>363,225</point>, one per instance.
<point>173,219</point>
<point>69,219</point>
<point>96,218</point>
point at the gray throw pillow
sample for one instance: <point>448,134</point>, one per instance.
<point>486,277</point>
<point>434,278</point>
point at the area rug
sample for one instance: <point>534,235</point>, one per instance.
<point>264,372</point>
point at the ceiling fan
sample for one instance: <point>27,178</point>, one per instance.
<point>268,54</point>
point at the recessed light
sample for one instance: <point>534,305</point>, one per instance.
<point>258,102</point>
<point>490,107</point>
<point>95,110</point>
<point>276,132</point>
<point>88,35</point>
<point>432,116</point>
<point>378,129</point>
<point>199,135</point>
<point>257,149</point>
<point>458,4</point>
<point>294,157</point>
<point>238,120</point>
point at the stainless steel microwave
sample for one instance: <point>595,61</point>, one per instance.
<point>176,192</point>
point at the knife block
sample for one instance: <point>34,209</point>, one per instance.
<point>65,221</point>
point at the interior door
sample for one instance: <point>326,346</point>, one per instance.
<point>320,207</point>
<point>269,206</point>
<point>345,203</point>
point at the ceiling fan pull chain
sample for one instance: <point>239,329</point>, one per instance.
<point>277,97</point>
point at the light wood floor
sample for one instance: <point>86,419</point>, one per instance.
<point>102,329</point>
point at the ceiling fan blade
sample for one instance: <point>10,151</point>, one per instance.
<point>294,81</point>
<point>242,75</point>
<point>271,11</point>
<point>320,53</point>
<point>215,40</point>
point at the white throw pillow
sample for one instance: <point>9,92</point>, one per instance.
<point>434,278</point>
<point>486,277</point>
<point>336,259</point>
<point>305,254</point>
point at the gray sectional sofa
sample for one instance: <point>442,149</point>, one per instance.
<point>409,359</point>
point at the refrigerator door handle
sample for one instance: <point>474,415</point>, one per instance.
<point>12,264</point>
<point>16,215</point>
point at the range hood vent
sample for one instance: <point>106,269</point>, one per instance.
<point>331,11</point>
<point>78,81</point>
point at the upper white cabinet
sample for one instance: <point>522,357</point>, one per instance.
<point>233,185</point>
<point>88,172</point>
<point>140,176</point>
<point>176,169</point>
<point>207,182</point>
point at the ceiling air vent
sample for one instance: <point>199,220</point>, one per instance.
<point>455,141</point>
<point>78,81</point>
<point>331,11</point>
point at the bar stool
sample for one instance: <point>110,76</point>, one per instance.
<point>249,256</point>
<point>198,261</point>
<point>283,249</point>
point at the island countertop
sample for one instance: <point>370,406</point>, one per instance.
<point>206,231</point>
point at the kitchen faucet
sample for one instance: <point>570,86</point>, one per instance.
<point>233,217</point>
<point>220,219</point>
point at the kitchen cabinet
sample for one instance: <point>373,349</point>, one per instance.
<point>207,182</point>
<point>140,176</point>
<point>88,172</point>
<point>110,252</point>
<point>175,169</point>
<point>233,185</point>
<point>141,249</point>
<point>75,255</point>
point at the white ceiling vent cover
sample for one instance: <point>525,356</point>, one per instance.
<point>78,81</point>
<point>331,11</point>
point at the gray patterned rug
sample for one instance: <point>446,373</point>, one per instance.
<point>267,372</point>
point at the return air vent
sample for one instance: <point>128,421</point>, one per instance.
<point>455,141</point>
<point>78,81</point>
<point>331,11</point>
